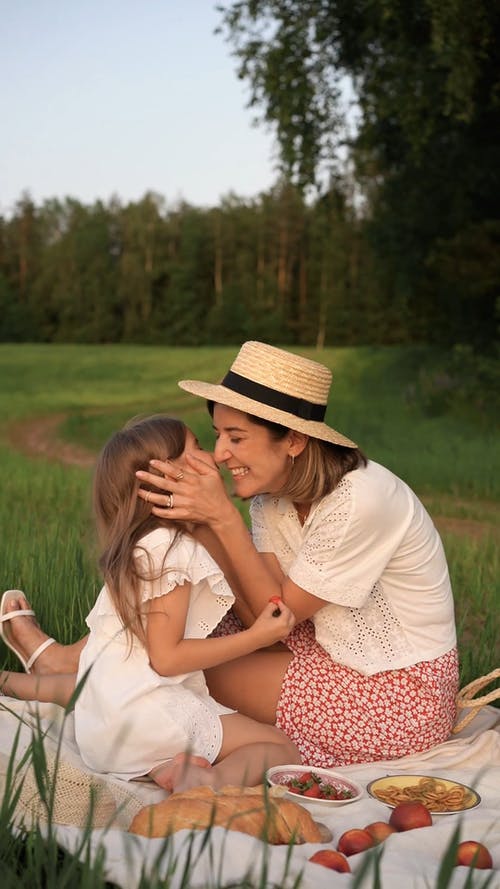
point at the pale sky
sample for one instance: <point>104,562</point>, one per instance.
<point>103,97</point>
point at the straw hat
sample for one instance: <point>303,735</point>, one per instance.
<point>277,386</point>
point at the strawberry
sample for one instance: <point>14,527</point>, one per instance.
<point>306,777</point>
<point>314,791</point>
<point>276,601</point>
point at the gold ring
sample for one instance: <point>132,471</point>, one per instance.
<point>170,504</point>
<point>147,496</point>
<point>179,476</point>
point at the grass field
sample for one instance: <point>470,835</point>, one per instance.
<point>60,403</point>
<point>48,550</point>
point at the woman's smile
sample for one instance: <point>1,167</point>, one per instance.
<point>239,471</point>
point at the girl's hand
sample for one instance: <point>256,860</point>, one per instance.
<point>195,493</point>
<point>270,626</point>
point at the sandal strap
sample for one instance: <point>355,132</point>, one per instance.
<point>37,652</point>
<point>24,612</point>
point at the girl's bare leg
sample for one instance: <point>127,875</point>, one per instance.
<point>26,635</point>
<point>51,689</point>
<point>248,749</point>
<point>251,684</point>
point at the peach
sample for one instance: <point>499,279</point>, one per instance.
<point>355,840</point>
<point>407,816</point>
<point>379,831</point>
<point>333,860</point>
<point>473,854</point>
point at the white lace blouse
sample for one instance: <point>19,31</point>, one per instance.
<point>371,551</point>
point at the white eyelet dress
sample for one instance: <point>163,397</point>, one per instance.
<point>128,718</point>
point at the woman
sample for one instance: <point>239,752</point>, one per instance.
<point>371,669</point>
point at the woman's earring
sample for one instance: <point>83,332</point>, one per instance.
<point>292,458</point>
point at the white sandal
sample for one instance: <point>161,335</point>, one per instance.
<point>24,612</point>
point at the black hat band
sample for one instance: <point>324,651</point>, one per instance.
<point>300,407</point>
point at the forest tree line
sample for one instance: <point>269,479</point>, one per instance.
<point>277,267</point>
<point>397,242</point>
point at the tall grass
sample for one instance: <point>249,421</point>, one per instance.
<point>47,543</point>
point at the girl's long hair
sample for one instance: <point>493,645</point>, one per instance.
<point>122,517</point>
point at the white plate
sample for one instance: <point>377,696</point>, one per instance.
<point>280,776</point>
<point>408,787</point>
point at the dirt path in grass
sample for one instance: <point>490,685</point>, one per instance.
<point>40,438</point>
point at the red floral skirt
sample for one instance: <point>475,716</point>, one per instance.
<point>337,716</point>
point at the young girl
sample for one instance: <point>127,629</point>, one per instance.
<point>144,706</point>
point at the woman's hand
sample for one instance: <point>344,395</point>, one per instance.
<point>195,494</point>
<point>273,624</point>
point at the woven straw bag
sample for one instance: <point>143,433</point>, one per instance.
<point>467,701</point>
<point>78,798</point>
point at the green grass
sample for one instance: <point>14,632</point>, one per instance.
<point>47,545</point>
<point>372,402</point>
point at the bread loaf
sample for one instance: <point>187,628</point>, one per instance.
<point>250,810</point>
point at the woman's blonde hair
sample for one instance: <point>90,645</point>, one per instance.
<point>318,470</point>
<point>122,517</point>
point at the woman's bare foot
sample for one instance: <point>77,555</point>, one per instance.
<point>26,636</point>
<point>182,772</point>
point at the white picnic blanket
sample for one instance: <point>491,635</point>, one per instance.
<point>409,860</point>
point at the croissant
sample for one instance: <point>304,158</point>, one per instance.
<point>249,810</point>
